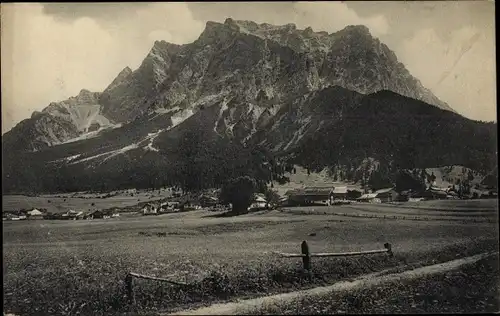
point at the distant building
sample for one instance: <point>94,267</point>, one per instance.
<point>435,194</point>
<point>35,214</point>
<point>309,196</point>
<point>338,194</point>
<point>259,202</point>
<point>100,214</point>
<point>368,197</point>
<point>150,209</point>
<point>386,195</point>
<point>207,200</point>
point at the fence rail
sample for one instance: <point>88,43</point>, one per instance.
<point>130,288</point>
<point>306,255</point>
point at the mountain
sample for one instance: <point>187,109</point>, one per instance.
<point>256,66</point>
<point>209,109</point>
<point>57,123</point>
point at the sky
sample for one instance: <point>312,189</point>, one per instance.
<point>51,51</point>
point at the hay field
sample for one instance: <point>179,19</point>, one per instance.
<point>70,267</point>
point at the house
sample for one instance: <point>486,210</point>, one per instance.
<point>433,193</point>
<point>35,214</point>
<point>338,194</point>
<point>208,201</point>
<point>72,215</point>
<point>10,217</point>
<point>386,195</point>
<point>368,197</point>
<point>168,207</point>
<point>259,202</point>
<point>100,214</point>
<point>150,209</point>
<point>309,196</point>
<point>88,215</point>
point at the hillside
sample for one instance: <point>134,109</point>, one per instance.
<point>401,131</point>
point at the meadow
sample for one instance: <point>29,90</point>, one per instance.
<point>78,267</point>
<point>59,203</point>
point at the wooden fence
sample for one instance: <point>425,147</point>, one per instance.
<point>129,283</point>
<point>306,255</point>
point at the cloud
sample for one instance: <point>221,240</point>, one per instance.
<point>459,71</point>
<point>49,59</point>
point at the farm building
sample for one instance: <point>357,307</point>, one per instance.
<point>208,200</point>
<point>35,214</point>
<point>435,194</point>
<point>100,214</point>
<point>368,197</point>
<point>380,196</point>
<point>10,217</point>
<point>386,195</point>
<point>259,202</point>
<point>72,215</point>
<point>150,209</point>
<point>338,193</point>
<point>170,206</point>
<point>309,196</point>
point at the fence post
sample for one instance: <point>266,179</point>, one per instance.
<point>129,288</point>
<point>389,249</point>
<point>306,259</point>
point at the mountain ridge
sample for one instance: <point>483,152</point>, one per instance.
<point>246,87</point>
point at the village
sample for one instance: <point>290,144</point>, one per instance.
<point>327,195</point>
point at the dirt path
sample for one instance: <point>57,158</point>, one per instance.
<point>368,280</point>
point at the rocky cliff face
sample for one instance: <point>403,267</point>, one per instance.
<point>129,96</point>
<point>59,122</point>
<point>253,69</point>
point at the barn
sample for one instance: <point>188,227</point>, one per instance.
<point>309,196</point>
<point>368,197</point>
<point>339,194</point>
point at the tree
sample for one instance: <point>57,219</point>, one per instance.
<point>470,176</point>
<point>433,177</point>
<point>239,192</point>
<point>405,181</point>
<point>272,197</point>
<point>379,181</point>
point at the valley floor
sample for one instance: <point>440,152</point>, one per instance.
<point>69,267</point>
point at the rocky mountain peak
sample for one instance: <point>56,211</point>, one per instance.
<point>356,30</point>
<point>123,75</point>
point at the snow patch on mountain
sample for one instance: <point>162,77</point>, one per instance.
<point>151,137</point>
<point>180,117</point>
<point>299,134</point>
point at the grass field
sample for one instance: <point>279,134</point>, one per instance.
<point>64,202</point>
<point>78,267</point>
<point>471,289</point>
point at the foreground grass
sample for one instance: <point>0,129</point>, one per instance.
<point>472,289</point>
<point>80,291</point>
<point>79,267</point>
